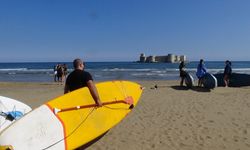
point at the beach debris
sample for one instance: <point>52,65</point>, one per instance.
<point>155,87</point>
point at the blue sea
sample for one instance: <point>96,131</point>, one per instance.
<point>103,71</point>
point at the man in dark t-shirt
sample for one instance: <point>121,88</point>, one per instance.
<point>80,78</point>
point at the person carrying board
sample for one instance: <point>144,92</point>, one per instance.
<point>80,78</point>
<point>201,71</point>
<point>182,72</point>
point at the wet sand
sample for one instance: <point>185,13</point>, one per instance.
<point>169,117</point>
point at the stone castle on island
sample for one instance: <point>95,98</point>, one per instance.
<point>170,58</point>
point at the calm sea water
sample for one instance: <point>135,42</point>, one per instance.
<point>103,71</point>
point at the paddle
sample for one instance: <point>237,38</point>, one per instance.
<point>127,100</point>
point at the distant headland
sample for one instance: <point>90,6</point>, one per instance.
<point>170,58</point>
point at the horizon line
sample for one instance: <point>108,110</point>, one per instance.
<point>116,61</point>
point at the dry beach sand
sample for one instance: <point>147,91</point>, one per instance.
<point>166,118</point>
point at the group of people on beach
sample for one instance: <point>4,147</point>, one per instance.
<point>201,71</point>
<point>80,78</point>
<point>60,72</point>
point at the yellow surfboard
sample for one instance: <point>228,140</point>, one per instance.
<point>73,119</point>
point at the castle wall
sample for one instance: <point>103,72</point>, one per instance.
<point>161,58</point>
<point>170,58</point>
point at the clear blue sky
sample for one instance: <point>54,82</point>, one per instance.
<point>119,30</point>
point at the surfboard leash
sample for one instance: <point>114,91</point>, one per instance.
<point>132,106</point>
<point>128,100</point>
<point>77,127</point>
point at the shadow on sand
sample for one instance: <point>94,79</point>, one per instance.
<point>91,142</point>
<point>194,88</point>
<point>182,88</point>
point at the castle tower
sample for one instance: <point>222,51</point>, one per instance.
<point>142,57</point>
<point>183,58</point>
<point>151,59</point>
<point>171,58</point>
<point>177,58</point>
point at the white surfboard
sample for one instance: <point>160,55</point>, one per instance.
<point>209,81</point>
<point>189,80</point>
<point>11,110</point>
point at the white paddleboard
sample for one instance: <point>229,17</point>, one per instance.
<point>209,81</point>
<point>189,80</point>
<point>11,110</point>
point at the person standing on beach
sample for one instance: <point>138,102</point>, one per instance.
<point>80,78</point>
<point>201,71</point>
<point>182,72</point>
<point>55,72</point>
<point>227,73</point>
<point>65,70</point>
<point>60,73</point>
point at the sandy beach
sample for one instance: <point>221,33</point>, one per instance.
<point>169,117</point>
